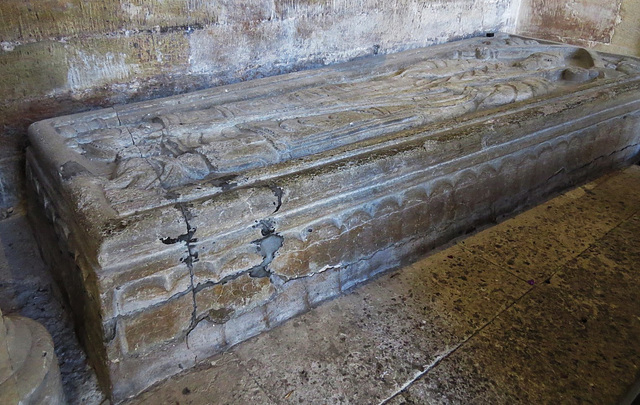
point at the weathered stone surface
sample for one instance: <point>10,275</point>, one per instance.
<point>245,326</point>
<point>64,56</point>
<point>144,292</point>
<point>156,325</point>
<point>206,339</point>
<point>136,372</point>
<point>207,208</point>
<point>223,301</point>
<point>291,301</point>
<point>322,286</point>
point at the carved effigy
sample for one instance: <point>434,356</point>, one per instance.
<point>188,224</point>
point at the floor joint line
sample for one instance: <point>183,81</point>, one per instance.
<point>443,357</point>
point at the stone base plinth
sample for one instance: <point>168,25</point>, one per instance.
<point>29,372</point>
<point>184,225</point>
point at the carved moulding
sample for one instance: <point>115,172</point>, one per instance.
<point>185,225</point>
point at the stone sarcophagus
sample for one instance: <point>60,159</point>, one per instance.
<point>184,225</point>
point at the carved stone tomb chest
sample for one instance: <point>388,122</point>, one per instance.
<point>184,225</point>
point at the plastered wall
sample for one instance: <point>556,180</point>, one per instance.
<point>63,56</point>
<point>605,25</point>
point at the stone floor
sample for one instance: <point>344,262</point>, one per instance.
<point>541,308</point>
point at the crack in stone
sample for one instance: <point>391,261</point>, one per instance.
<point>558,172</point>
<point>271,242</point>
<point>111,324</point>
<point>268,246</point>
<point>606,156</point>
<point>343,265</point>
<point>133,141</point>
<point>564,170</point>
<point>172,298</point>
<point>278,192</point>
<point>155,169</point>
<point>191,258</point>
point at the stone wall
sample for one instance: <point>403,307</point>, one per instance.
<point>609,26</point>
<point>59,57</point>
